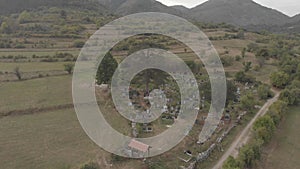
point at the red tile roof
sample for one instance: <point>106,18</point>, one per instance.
<point>138,146</point>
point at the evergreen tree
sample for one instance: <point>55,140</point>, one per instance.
<point>106,69</point>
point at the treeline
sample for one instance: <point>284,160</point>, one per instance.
<point>265,127</point>
<point>263,130</point>
<point>57,57</point>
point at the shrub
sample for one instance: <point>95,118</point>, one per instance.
<point>90,165</point>
<point>78,44</point>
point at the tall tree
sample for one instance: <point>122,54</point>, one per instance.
<point>106,69</point>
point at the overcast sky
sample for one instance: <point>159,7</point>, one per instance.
<point>288,7</point>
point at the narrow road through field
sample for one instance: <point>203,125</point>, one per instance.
<point>245,134</point>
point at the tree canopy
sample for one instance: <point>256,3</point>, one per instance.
<point>106,69</point>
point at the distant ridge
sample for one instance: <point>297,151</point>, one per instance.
<point>14,6</point>
<point>242,13</point>
<point>237,12</point>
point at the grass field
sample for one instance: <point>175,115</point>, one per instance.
<point>284,150</point>
<point>35,93</point>
<point>47,140</point>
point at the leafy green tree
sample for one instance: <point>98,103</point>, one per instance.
<point>242,77</point>
<point>69,67</point>
<point>244,52</point>
<point>24,17</point>
<point>195,66</point>
<point>248,102</point>
<point>106,69</point>
<point>231,90</point>
<point>63,14</point>
<point>246,157</point>
<point>231,163</point>
<point>241,34</point>
<point>78,44</point>
<point>264,91</point>
<point>291,96</point>
<point>252,47</point>
<point>5,28</point>
<point>150,77</point>
<point>277,110</point>
<point>264,52</point>
<point>261,61</point>
<point>247,66</point>
<point>279,79</point>
<point>264,128</point>
<point>18,73</point>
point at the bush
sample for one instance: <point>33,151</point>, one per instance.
<point>18,73</point>
<point>243,78</point>
<point>227,61</point>
<point>20,46</point>
<point>90,165</point>
<point>78,44</point>
<point>69,67</point>
<point>238,58</point>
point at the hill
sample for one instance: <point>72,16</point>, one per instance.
<point>136,6</point>
<point>237,12</point>
<point>15,6</point>
<point>242,13</point>
<point>181,8</point>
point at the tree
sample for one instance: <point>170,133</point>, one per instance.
<point>24,17</point>
<point>261,61</point>
<point>18,73</point>
<point>252,47</point>
<point>63,14</point>
<point>279,79</point>
<point>195,66</point>
<point>243,78</point>
<point>264,91</point>
<point>291,96</point>
<point>244,52</point>
<point>241,34</point>
<point>5,28</point>
<point>78,44</point>
<point>150,77</point>
<point>231,90</point>
<point>264,128</point>
<point>106,69</point>
<point>231,163</point>
<point>249,154</point>
<point>247,66</point>
<point>69,67</point>
<point>277,110</point>
<point>247,157</point>
<point>248,102</point>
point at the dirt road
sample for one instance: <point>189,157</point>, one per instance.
<point>243,137</point>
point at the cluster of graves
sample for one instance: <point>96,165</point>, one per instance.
<point>205,154</point>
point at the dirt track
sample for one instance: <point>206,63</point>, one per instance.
<point>243,137</point>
